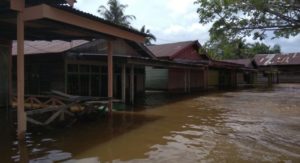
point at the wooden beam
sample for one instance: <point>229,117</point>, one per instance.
<point>110,75</point>
<point>20,76</point>
<point>17,5</point>
<point>132,84</point>
<point>124,83</point>
<point>47,12</point>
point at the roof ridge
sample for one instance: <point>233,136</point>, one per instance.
<point>191,41</point>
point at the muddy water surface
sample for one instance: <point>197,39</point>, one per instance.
<point>239,126</point>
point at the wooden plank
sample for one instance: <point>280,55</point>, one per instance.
<point>20,76</point>
<point>53,117</point>
<point>41,111</point>
<point>34,121</point>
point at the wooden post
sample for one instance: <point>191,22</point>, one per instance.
<point>132,84</point>
<point>189,81</point>
<point>10,85</point>
<point>20,76</point>
<point>185,81</point>
<point>205,73</point>
<point>110,75</point>
<point>124,83</point>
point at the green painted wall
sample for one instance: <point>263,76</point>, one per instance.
<point>213,78</point>
<point>156,78</point>
<point>3,76</point>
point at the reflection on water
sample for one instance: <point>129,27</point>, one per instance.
<point>241,126</point>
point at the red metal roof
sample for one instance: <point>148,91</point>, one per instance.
<point>223,64</point>
<point>277,59</point>
<point>169,50</point>
<point>43,47</point>
<point>246,62</point>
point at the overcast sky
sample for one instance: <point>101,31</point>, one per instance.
<point>173,21</point>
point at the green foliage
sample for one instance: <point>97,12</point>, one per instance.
<point>150,36</point>
<point>115,13</point>
<point>276,49</point>
<point>238,49</point>
<point>235,19</point>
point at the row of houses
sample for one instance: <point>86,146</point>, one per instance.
<point>79,67</point>
<point>100,58</point>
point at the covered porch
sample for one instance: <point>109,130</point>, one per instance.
<point>45,20</point>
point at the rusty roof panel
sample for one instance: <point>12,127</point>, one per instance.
<point>43,47</point>
<point>168,50</point>
<point>246,62</point>
<point>277,59</point>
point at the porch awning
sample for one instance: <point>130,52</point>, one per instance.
<point>60,22</point>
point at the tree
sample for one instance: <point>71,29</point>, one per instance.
<point>150,36</point>
<point>238,49</point>
<point>276,49</point>
<point>235,19</point>
<point>225,49</point>
<point>115,13</point>
<point>258,48</point>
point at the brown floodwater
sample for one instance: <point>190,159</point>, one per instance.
<point>255,125</point>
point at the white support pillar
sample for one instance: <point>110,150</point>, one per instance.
<point>20,75</point>
<point>110,75</point>
<point>124,83</point>
<point>132,84</point>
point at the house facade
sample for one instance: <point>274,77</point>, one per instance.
<point>177,79</point>
<point>214,74</point>
<point>284,68</point>
<point>247,75</point>
<point>80,68</point>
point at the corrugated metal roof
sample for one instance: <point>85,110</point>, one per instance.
<point>246,62</point>
<point>35,2</point>
<point>277,59</point>
<point>168,50</point>
<point>62,4</point>
<point>96,18</point>
<point>43,47</point>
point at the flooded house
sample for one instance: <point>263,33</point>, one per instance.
<point>247,75</point>
<point>51,20</point>
<point>80,68</point>
<point>284,68</point>
<point>214,74</point>
<point>178,79</point>
<point>223,75</point>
